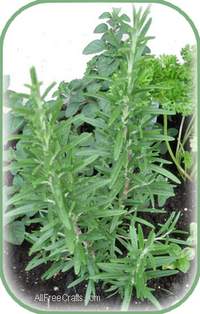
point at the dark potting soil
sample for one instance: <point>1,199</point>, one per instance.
<point>54,294</point>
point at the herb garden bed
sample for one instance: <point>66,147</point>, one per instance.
<point>98,179</point>
<point>168,290</point>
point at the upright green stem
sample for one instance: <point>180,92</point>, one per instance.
<point>182,171</point>
<point>53,179</point>
<point>131,63</point>
<point>179,135</point>
<point>188,131</point>
<point>126,107</point>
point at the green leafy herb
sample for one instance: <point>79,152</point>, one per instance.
<point>87,165</point>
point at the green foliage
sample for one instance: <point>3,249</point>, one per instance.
<point>94,47</point>
<point>177,93</point>
<point>15,232</point>
<point>87,164</point>
<point>174,79</point>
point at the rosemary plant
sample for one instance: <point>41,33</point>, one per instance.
<point>87,165</point>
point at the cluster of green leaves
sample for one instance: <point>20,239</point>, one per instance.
<point>178,95</point>
<point>87,165</point>
<point>176,79</point>
<point>169,81</point>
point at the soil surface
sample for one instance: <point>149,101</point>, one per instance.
<point>54,294</point>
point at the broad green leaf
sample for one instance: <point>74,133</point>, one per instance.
<point>101,28</point>
<point>77,97</point>
<point>90,110</point>
<point>163,148</point>
<point>98,123</point>
<point>14,99</point>
<point>93,88</point>
<point>95,46</point>
<point>18,181</point>
<point>15,232</point>
<point>125,18</point>
<point>14,123</point>
<point>105,15</point>
<point>108,69</point>
<point>75,85</point>
<point>72,109</point>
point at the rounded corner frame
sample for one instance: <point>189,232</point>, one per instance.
<point>197,37</point>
